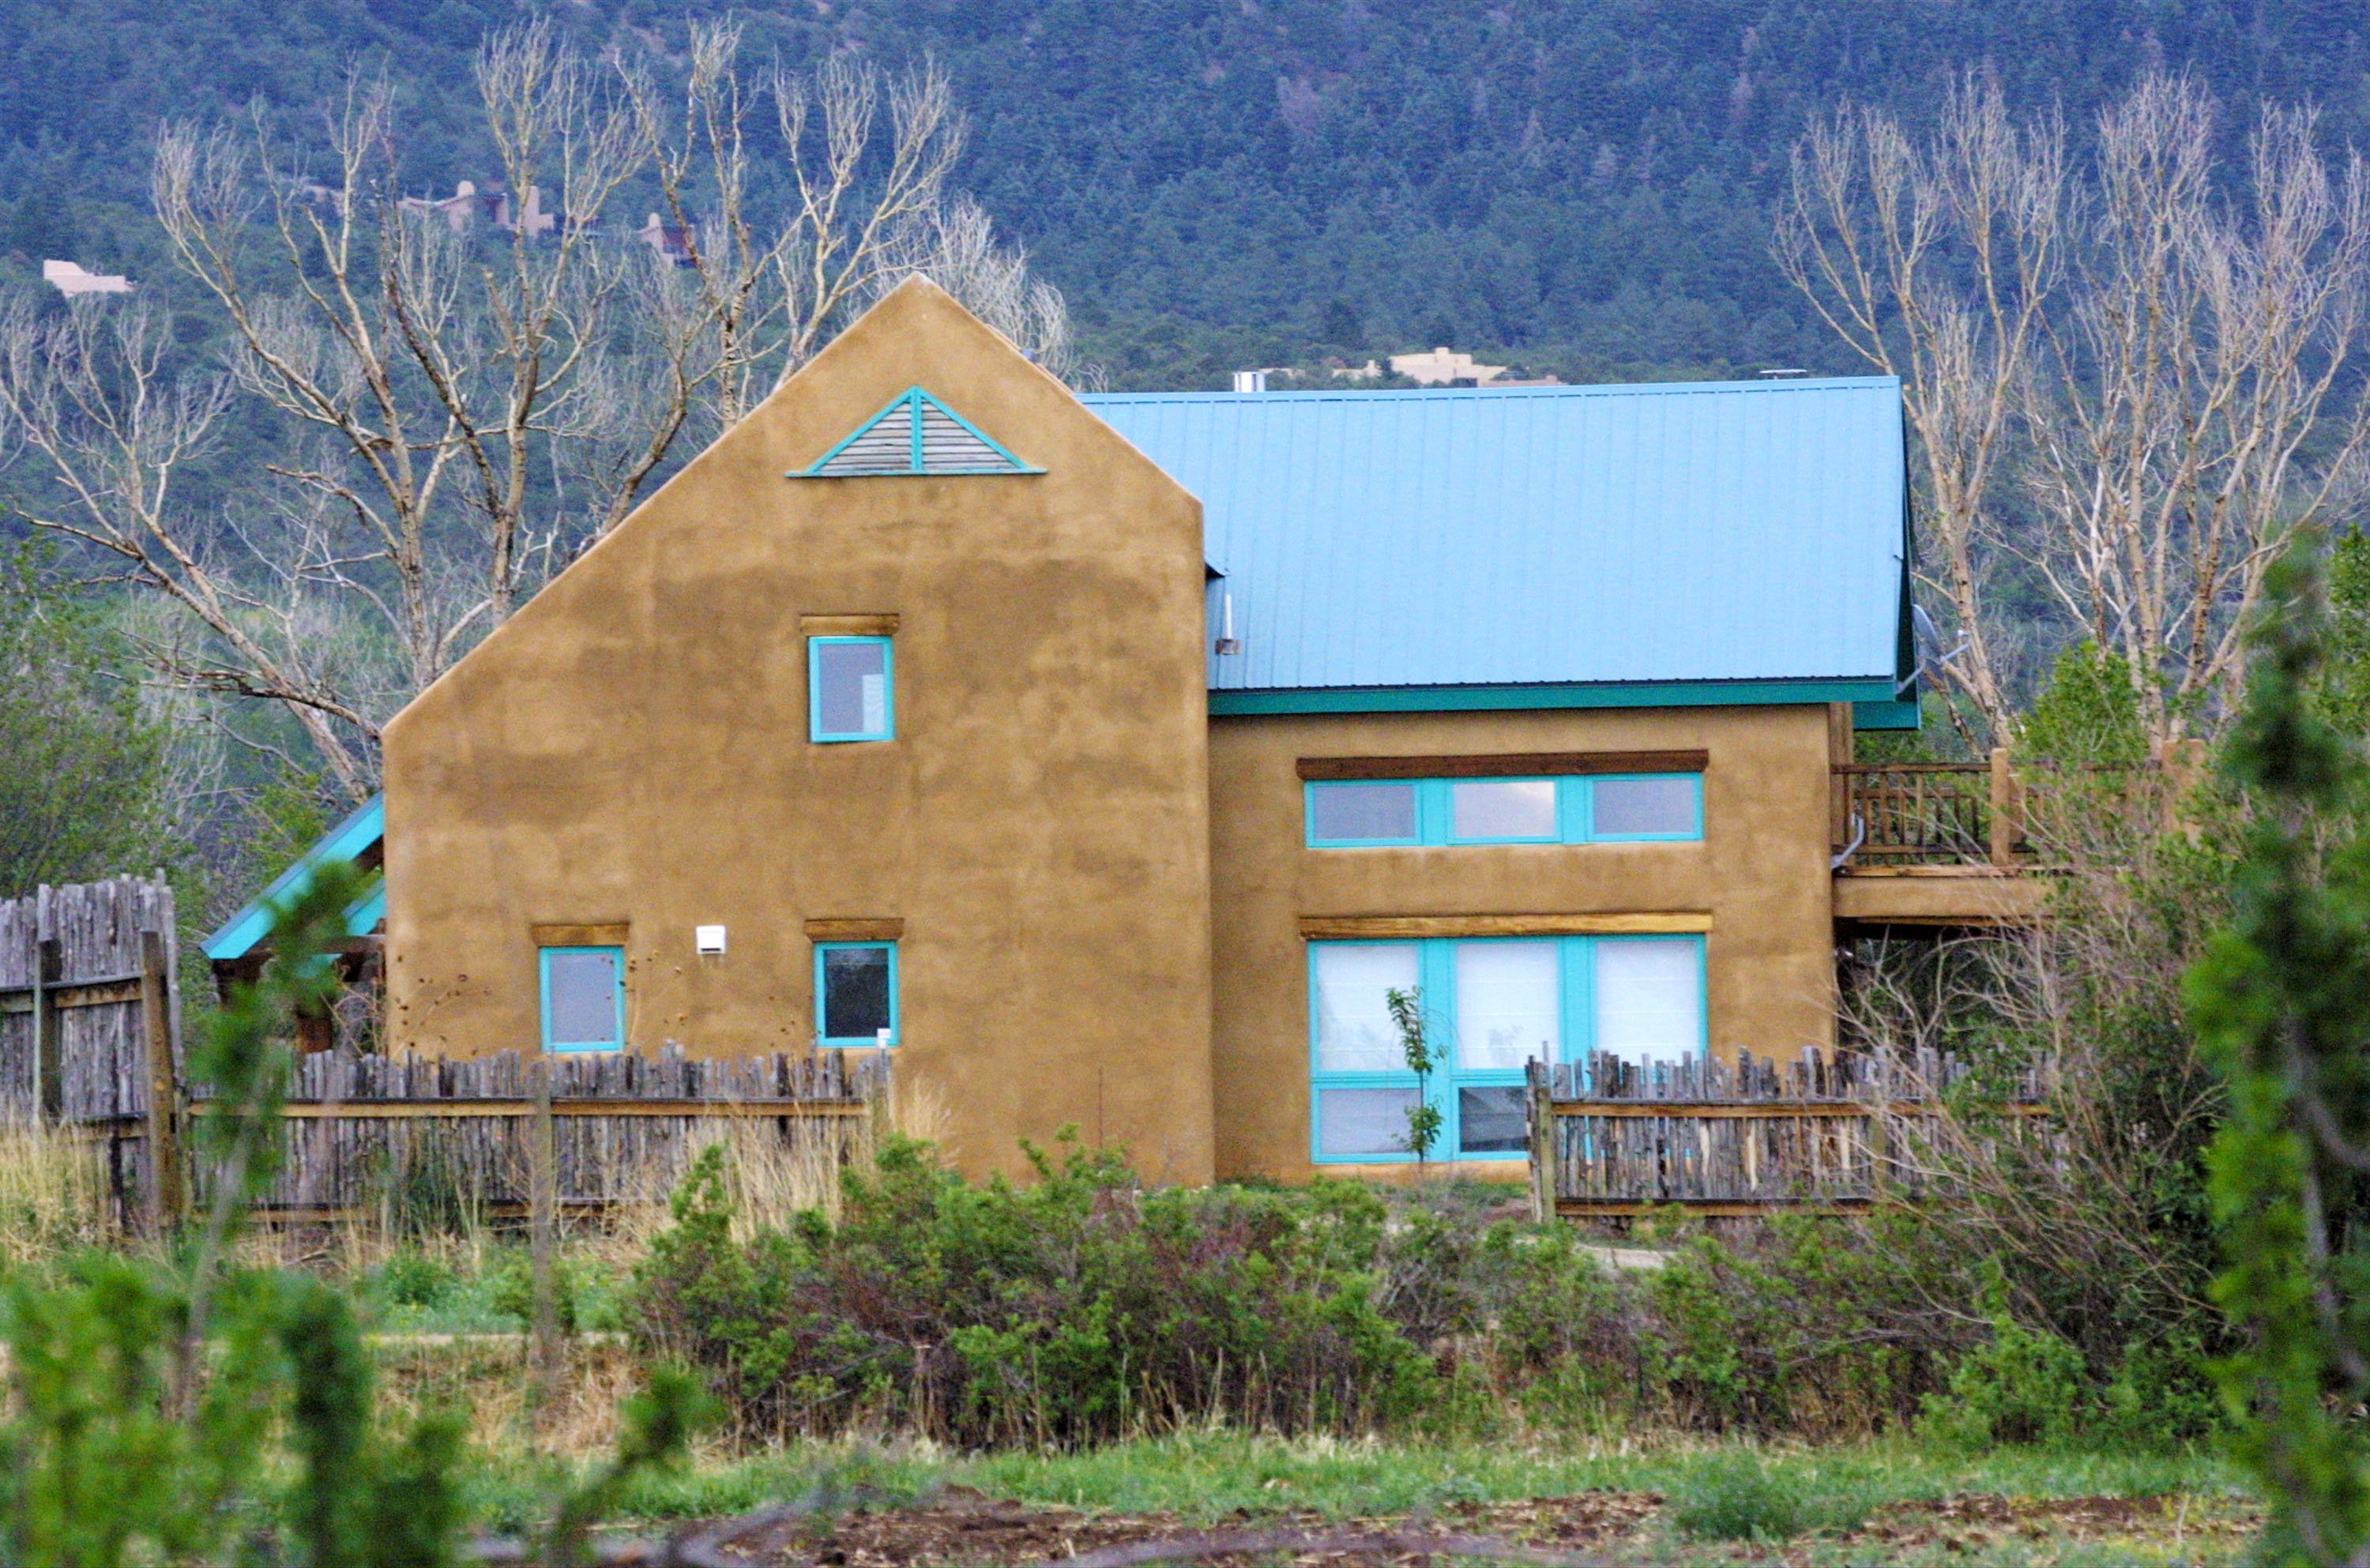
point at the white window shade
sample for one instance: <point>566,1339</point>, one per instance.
<point>1504,808</point>
<point>1650,998</point>
<point>1509,1007</point>
<point>1363,1120</point>
<point>583,998</point>
<point>1354,1032</point>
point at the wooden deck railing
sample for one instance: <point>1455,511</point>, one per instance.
<point>1610,1138</point>
<point>1995,814</point>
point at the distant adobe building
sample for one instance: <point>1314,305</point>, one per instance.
<point>1110,760</point>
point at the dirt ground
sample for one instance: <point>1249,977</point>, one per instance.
<point>960,1526</point>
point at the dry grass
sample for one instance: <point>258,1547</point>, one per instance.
<point>53,1194</point>
<point>489,1378</point>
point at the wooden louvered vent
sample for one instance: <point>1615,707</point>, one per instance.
<point>915,434</point>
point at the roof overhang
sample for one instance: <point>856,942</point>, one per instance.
<point>1877,693</point>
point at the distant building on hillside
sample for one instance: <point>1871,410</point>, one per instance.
<point>468,203</point>
<point>672,241</point>
<point>70,279</point>
<point>1446,367</point>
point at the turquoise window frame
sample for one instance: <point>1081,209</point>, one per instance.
<point>1423,810</point>
<point>1694,835</point>
<point>1436,813</point>
<point>1449,836</point>
<point>815,731</point>
<point>851,1042</point>
<point>543,970</point>
<point>1436,980</point>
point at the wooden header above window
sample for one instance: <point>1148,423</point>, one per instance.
<point>593,933</point>
<point>848,626</point>
<point>1370,927</point>
<point>1515,764</point>
<point>853,929</point>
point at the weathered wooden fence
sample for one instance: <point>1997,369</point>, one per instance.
<point>1611,1138</point>
<point>416,1133</point>
<point>91,1043</point>
<point>90,1023</point>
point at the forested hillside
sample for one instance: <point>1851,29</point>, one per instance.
<point>1582,184</point>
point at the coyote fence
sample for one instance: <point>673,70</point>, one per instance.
<point>91,1044</point>
<point>90,1026</point>
<point>1612,1138</point>
<point>429,1133</point>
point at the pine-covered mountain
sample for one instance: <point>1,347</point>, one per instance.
<point>1582,186</point>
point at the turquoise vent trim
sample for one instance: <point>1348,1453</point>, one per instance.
<point>914,434</point>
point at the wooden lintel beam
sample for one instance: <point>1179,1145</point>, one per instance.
<point>1358,927</point>
<point>1513,764</point>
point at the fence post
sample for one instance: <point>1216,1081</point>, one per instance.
<point>2005,824</point>
<point>164,1090</point>
<point>49,1054</point>
<point>543,1200</point>
<point>1540,1104</point>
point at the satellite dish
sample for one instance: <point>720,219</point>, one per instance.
<point>1930,656</point>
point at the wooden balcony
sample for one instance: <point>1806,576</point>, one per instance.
<point>1974,844</point>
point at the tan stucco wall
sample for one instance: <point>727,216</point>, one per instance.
<point>1760,873</point>
<point>632,746</point>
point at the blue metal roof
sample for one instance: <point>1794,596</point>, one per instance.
<point>350,840</point>
<point>1644,539</point>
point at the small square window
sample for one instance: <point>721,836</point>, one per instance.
<point>1648,808</point>
<point>856,993</point>
<point>1491,1120</point>
<point>852,694</point>
<point>584,998</point>
<point>1503,809</point>
<point>1363,813</point>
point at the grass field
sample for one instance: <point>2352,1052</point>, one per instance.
<point>1645,1504</point>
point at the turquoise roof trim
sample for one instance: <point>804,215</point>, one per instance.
<point>1450,699</point>
<point>915,433</point>
<point>1540,546</point>
<point>347,842</point>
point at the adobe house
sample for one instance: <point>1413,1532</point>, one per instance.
<point>1110,760</point>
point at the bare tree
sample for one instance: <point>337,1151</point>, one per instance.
<point>955,244</point>
<point>2197,406</point>
<point>1937,262</point>
<point>470,391</point>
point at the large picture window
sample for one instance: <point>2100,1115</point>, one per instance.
<point>1490,1006</point>
<point>1405,813</point>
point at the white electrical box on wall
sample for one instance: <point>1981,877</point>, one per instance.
<point>709,940</point>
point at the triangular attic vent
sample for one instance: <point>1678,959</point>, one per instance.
<point>915,434</point>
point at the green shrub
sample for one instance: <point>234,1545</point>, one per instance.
<point>1737,1498</point>
<point>2023,1386</point>
<point>1077,1309</point>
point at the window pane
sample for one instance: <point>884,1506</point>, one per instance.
<point>852,685</point>
<point>855,992</point>
<point>1354,1032</point>
<point>1490,1120</point>
<point>583,998</point>
<point>1645,805</point>
<point>1650,998</point>
<point>1508,1003</point>
<point>1363,1120</point>
<point>1504,808</point>
<point>1362,811</point>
